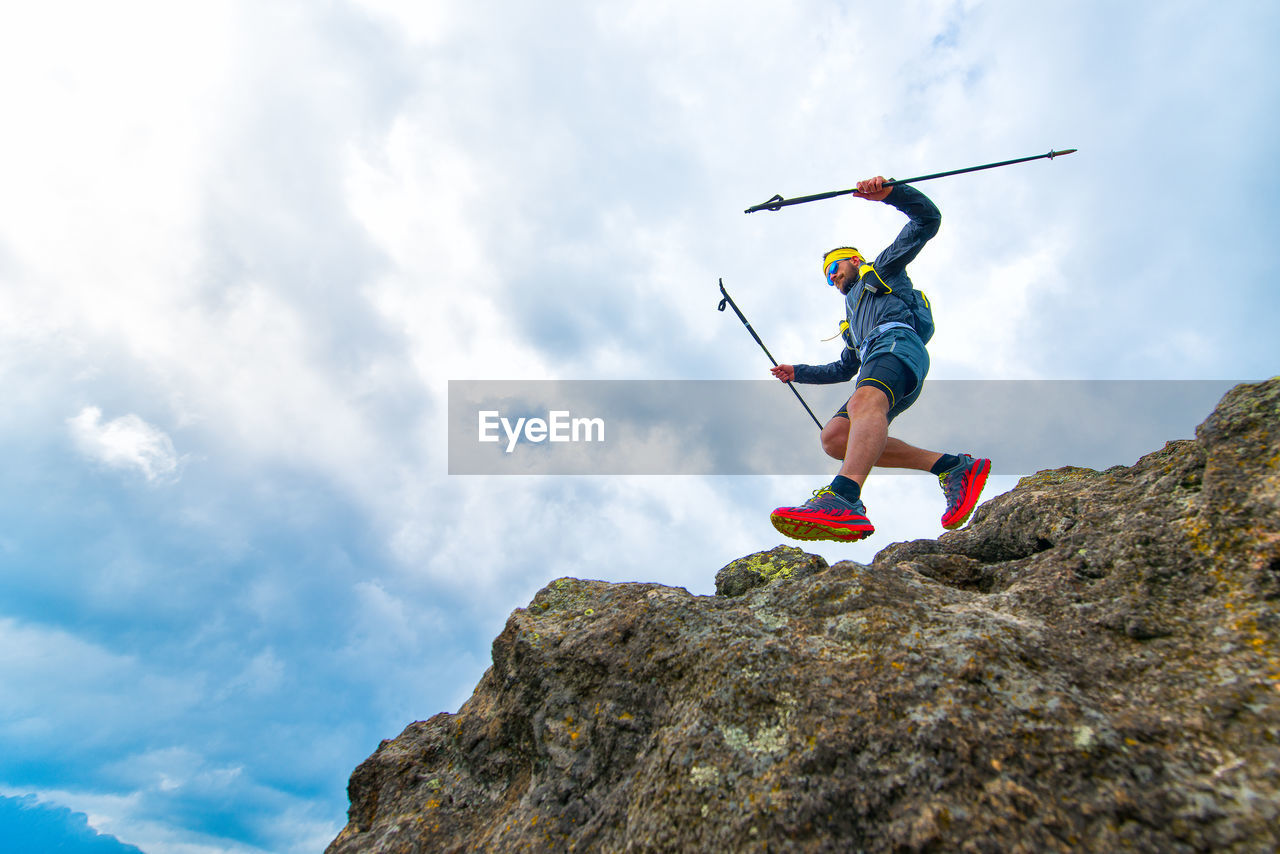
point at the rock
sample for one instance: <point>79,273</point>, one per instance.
<point>1092,664</point>
<point>760,568</point>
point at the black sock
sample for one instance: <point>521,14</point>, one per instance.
<point>846,488</point>
<point>945,463</point>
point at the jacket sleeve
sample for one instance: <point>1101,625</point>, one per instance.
<point>925,219</point>
<point>836,372</point>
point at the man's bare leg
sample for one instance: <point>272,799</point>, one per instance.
<point>868,432</point>
<point>898,454</point>
<point>962,487</point>
<point>895,453</point>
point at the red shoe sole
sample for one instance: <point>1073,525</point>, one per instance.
<point>974,480</point>
<point>801,528</point>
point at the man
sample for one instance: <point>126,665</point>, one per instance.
<point>887,325</point>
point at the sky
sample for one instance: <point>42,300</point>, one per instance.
<point>245,248</point>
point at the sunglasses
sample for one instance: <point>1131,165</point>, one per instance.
<point>831,269</point>
<point>831,272</point>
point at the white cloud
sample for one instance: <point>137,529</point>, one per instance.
<point>121,720</point>
<point>295,829</point>
<point>427,21</point>
<point>127,443</point>
<point>100,694</point>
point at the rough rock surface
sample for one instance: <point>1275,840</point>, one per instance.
<point>1093,664</point>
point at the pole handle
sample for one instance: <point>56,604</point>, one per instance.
<point>728,300</point>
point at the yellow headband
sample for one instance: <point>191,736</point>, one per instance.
<point>838,255</point>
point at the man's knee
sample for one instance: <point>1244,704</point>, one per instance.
<point>835,437</point>
<point>869,399</point>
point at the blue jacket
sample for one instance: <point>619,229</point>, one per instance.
<point>874,300</point>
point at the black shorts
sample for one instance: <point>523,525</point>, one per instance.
<point>893,377</point>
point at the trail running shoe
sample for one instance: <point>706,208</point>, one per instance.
<point>825,516</point>
<point>962,485</point>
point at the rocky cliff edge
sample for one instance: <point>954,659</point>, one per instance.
<point>1092,664</point>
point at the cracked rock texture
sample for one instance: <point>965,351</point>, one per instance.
<point>1093,664</point>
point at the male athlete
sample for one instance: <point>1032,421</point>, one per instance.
<point>887,325</point>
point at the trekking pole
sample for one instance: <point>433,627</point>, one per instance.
<point>728,300</point>
<point>778,203</point>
